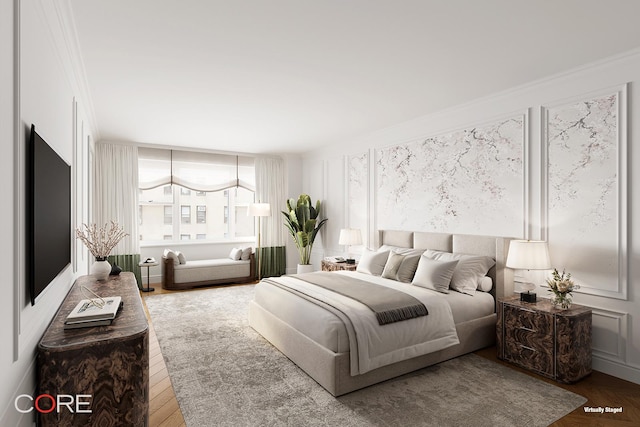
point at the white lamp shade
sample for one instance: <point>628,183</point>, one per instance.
<point>350,237</point>
<point>528,255</point>
<point>259,209</point>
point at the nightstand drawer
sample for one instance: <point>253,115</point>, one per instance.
<point>530,328</point>
<point>535,359</point>
<point>528,339</point>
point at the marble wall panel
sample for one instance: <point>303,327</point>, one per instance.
<point>582,143</point>
<point>467,181</point>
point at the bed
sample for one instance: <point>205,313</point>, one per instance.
<point>319,342</point>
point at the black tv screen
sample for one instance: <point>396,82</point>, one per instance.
<point>49,214</point>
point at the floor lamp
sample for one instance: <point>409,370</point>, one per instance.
<point>259,210</point>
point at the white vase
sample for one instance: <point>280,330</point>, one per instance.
<point>305,268</point>
<point>100,269</point>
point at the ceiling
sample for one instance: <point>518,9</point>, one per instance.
<point>290,76</point>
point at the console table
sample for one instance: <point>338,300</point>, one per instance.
<point>108,363</point>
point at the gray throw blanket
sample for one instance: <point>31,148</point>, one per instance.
<point>389,305</point>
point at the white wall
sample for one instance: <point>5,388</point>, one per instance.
<point>47,95</point>
<point>616,322</point>
<point>6,210</point>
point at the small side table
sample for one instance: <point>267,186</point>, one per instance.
<point>148,265</point>
<point>336,266</point>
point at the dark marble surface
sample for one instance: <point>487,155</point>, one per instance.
<point>109,363</point>
<point>337,266</point>
<point>552,342</point>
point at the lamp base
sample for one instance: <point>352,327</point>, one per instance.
<point>350,261</point>
<point>528,296</point>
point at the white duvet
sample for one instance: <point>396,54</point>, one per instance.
<point>371,345</point>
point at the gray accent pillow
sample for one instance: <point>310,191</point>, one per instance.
<point>408,268</point>
<point>434,274</point>
<point>470,270</point>
<point>372,262</point>
<point>394,261</point>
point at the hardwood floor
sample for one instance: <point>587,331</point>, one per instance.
<point>164,410</point>
<point>600,389</point>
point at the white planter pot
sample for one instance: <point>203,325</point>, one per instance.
<point>100,270</point>
<point>305,268</point>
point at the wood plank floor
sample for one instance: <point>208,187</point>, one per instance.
<point>600,389</point>
<point>164,410</point>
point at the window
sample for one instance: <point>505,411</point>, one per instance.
<point>201,214</point>
<point>185,214</point>
<point>220,205</point>
<point>168,214</point>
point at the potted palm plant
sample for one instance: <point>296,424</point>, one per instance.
<point>303,224</point>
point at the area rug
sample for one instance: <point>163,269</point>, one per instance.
<point>226,374</point>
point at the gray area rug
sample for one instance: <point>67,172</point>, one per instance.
<point>226,374</point>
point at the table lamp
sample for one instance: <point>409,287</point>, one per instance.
<point>350,237</point>
<point>528,255</point>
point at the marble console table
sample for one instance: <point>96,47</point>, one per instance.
<point>108,363</point>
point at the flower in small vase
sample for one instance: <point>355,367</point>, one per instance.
<point>562,286</point>
<point>100,240</point>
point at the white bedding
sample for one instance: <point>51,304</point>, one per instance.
<point>374,345</point>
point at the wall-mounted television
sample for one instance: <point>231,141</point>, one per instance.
<point>49,214</point>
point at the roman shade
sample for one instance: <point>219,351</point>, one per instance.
<point>198,171</point>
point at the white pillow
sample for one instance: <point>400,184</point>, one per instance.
<point>485,284</point>
<point>246,253</point>
<point>469,271</point>
<point>433,274</point>
<point>168,253</point>
<point>400,250</point>
<point>235,254</point>
<point>181,257</point>
<point>372,262</point>
<point>394,261</point>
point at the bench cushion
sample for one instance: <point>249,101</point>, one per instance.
<point>211,269</point>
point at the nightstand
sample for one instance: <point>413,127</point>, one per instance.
<point>335,266</point>
<point>541,338</point>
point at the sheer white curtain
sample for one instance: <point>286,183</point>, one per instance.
<point>270,189</point>
<point>115,198</point>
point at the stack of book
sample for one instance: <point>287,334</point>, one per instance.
<point>90,313</point>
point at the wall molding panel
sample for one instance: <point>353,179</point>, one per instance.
<point>469,181</point>
<point>584,197</point>
<point>609,328</point>
<point>357,194</point>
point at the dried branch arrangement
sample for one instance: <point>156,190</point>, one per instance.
<point>100,241</point>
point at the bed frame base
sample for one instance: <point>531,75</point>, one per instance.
<point>332,370</point>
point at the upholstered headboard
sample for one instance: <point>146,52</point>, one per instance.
<point>495,247</point>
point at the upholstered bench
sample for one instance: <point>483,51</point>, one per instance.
<point>178,273</point>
